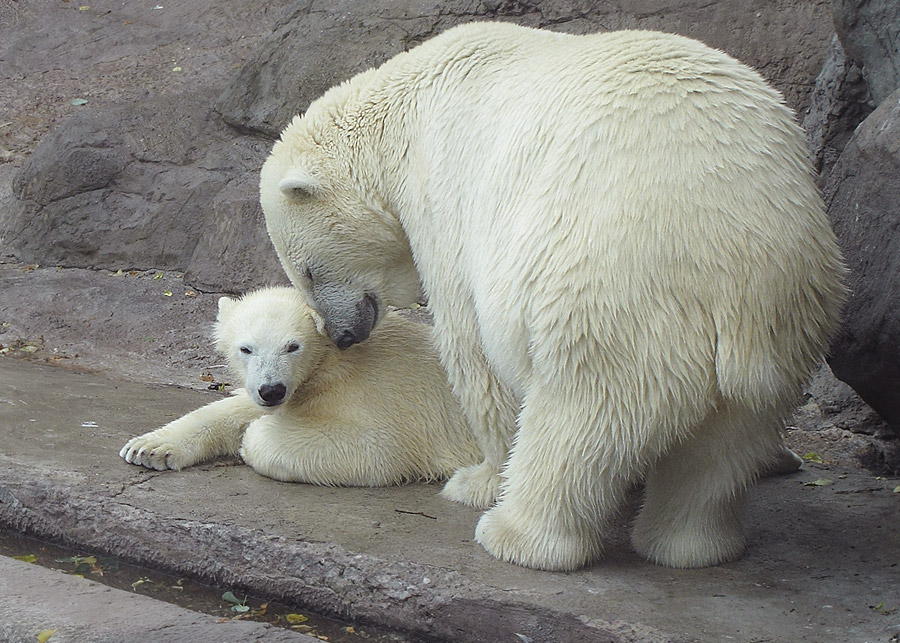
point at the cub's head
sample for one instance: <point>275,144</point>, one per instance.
<point>338,244</point>
<point>270,340</point>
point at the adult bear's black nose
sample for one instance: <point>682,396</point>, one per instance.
<point>272,394</point>
<point>344,340</point>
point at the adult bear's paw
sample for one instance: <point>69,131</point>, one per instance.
<point>514,537</point>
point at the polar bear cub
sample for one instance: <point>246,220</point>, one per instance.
<point>379,413</point>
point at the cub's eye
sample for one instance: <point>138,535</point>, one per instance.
<point>293,347</point>
<point>309,274</point>
<point>246,350</point>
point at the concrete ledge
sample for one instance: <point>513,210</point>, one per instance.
<point>403,558</point>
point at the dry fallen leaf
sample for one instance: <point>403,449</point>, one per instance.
<point>140,581</point>
<point>296,619</point>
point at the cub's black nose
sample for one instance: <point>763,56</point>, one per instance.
<point>272,394</point>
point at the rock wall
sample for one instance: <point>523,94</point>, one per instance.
<point>159,169</point>
<point>854,134</point>
<point>167,180</point>
<point>863,191</point>
<point>316,45</point>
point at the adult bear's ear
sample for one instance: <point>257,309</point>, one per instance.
<point>299,184</point>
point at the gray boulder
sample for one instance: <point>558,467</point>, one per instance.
<point>157,184</point>
<point>858,165</point>
<point>839,102</point>
<point>115,188</point>
<point>863,193</point>
<point>862,69</point>
<point>870,33</point>
<point>233,252</point>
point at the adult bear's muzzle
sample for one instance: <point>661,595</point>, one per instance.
<point>349,316</point>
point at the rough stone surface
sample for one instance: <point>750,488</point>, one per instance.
<point>233,252</point>
<point>837,105</point>
<point>862,69</point>
<point>838,426</point>
<point>165,188</point>
<point>404,558</point>
<point>864,192</point>
<point>870,33</point>
<point>68,317</point>
<point>145,174</point>
<point>860,73</point>
<point>114,52</point>
<point>786,42</point>
<point>115,186</point>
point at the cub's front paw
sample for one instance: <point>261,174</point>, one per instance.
<point>477,486</point>
<point>154,453</point>
<point>514,537</point>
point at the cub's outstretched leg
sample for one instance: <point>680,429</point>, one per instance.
<point>211,431</point>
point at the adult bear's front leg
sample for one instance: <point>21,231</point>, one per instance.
<point>567,473</point>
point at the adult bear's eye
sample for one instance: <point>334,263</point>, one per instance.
<point>309,274</point>
<point>293,347</point>
<point>246,350</point>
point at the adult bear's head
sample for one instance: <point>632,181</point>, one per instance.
<point>337,242</point>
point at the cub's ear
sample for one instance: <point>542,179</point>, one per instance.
<point>298,184</point>
<point>226,304</point>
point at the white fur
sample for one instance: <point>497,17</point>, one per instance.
<point>379,413</point>
<point>627,260</point>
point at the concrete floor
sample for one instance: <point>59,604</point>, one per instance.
<point>821,558</point>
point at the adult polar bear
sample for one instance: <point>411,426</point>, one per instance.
<point>628,264</point>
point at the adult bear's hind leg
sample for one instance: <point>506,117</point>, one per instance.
<point>693,507</point>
